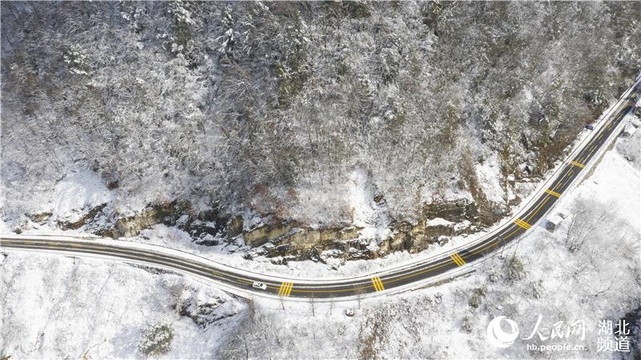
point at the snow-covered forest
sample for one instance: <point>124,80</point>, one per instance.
<point>278,111</point>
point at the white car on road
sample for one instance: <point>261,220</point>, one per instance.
<point>259,285</point>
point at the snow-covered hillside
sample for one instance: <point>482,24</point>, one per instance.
<point>251,110</point>
<point>587,270</point>
<point>313,139</point>
<point>55,307</point>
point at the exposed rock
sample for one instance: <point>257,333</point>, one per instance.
<point>482,212</point>
<point>302,243</point>
<point>83,220</point>
<point>399,241</point>
<point>440,222</point>
<point>281,250</point>
<point>165,213</point>
<point>235,226</point>
<point>454,211</point>
<point>200,229</point>
<point>415,237</point>
<point>203,313</point>
<point>289,242</point>
<point>40,218</point>
<point>205,227</point>
<point>514,200</point>
<point>131,226</point>
<point>207,240</point>
<point>263,234</point>
<point>308,238</point>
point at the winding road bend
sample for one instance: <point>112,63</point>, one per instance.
<point>384,281</point>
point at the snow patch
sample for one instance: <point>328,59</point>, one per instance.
<point>615,181</point>
<point>439,222</point>
<point>489,177</point>
<point>76,194</point>
<point>366,213</point>
<point>62,307</point>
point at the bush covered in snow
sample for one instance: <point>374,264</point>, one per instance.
<point>156,340</point>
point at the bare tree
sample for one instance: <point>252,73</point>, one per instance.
<point>583,224</point>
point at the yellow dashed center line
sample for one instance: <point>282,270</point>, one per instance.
<point>561,181</point>
<point>536,211</point>
<point>285,289</point>
<point>458,260</point>
<point>378,284</point>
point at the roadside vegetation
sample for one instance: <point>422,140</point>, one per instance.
<point>156,340</point>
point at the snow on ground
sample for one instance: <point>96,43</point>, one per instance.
<point>439,222</point>
<point>616,182</point>
<point>586,272</point>
<point>65,307</point>
<point>355,197</point>
<point>75,195</point>
<point>71,198</point>
<point>631,147</point>
<point>364,210</point>
<point>308,269</point>
<point>161,235</point>
<point>232,255</point>
<point>489,176</point>
<point>366,213</point>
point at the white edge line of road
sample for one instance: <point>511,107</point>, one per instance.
<point>223,286</point>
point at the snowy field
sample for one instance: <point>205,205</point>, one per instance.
<point>56,307</point>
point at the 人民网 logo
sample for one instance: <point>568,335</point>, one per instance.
<point>499,337</point>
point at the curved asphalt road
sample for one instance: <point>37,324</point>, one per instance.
<point>350,287</point>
